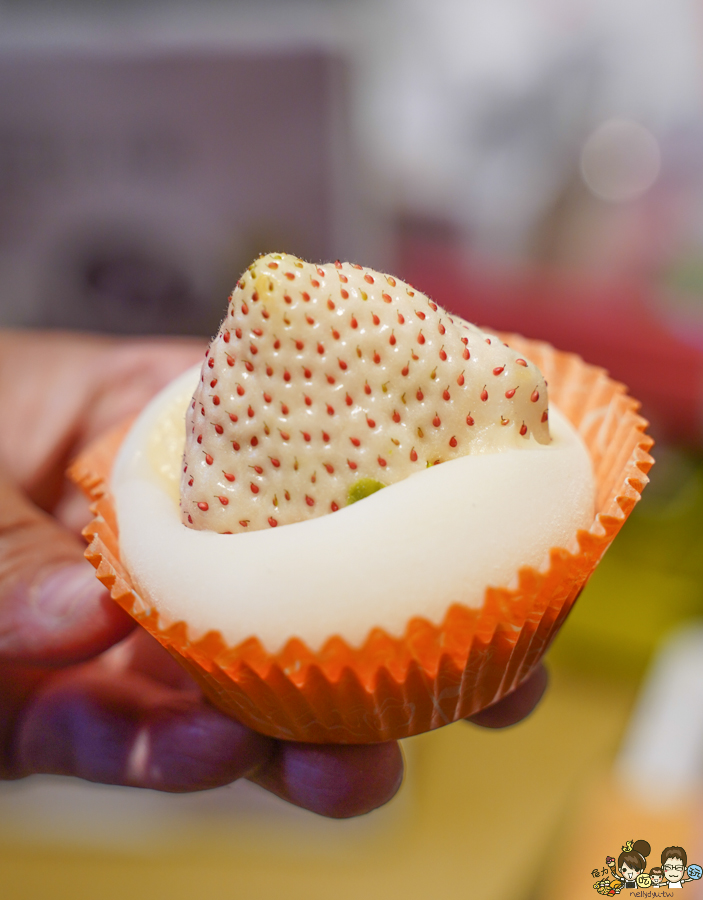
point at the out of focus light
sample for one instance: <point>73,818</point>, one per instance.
<point>620,161</point>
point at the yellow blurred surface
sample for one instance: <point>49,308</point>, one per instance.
<point>603,816</point>
<point>475,816</point>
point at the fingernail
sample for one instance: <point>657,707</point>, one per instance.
<point>66,592</point>
<point>58,617</point>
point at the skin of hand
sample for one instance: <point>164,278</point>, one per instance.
<point>82,691</point>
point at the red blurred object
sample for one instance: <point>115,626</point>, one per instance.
<point>617,324</point>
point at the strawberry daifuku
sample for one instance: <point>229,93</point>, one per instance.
<point>429,600</point>
<point>325,383</point>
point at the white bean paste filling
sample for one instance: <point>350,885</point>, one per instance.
<point>415,548</point>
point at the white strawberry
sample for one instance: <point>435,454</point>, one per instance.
<point>324,382</point>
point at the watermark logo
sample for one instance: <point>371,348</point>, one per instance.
<point>630,873</point>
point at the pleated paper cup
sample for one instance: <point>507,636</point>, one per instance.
<point>394,687</point>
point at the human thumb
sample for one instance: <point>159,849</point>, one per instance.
<point>53,610</point>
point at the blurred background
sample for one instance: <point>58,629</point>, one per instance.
<point>534,165</point>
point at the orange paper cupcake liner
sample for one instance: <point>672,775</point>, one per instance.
<point>390,687</point>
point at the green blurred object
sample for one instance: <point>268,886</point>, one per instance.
<point>685,276</point>
<point>649,581</point>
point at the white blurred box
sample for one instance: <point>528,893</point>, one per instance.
<point>136,183</point>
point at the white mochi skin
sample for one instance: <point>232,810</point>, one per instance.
<point>415,548</point>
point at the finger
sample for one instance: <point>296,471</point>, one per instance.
<point>78,387</point>
<point>143,654</point>
<point>350,790</point>
<point>129,374</point>
<point>516,705</point>
<point>53,610</point>
<point>72,510</point>
<point>338,781</point>
<point>18,684</point>
<point>132,731</point>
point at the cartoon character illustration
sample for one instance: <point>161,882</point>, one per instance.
<point>674,865</point>
<point>630,871</point>
<point>609,884</point>
<point>632,862</point>
<point>657,875</point>
<point>607,888</point>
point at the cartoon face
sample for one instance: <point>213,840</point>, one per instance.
<point>673,869</point>
<point>656,879</point>
<point>629,873</point>
<point>643,880</point>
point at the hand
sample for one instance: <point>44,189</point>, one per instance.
<point>81,691</point>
